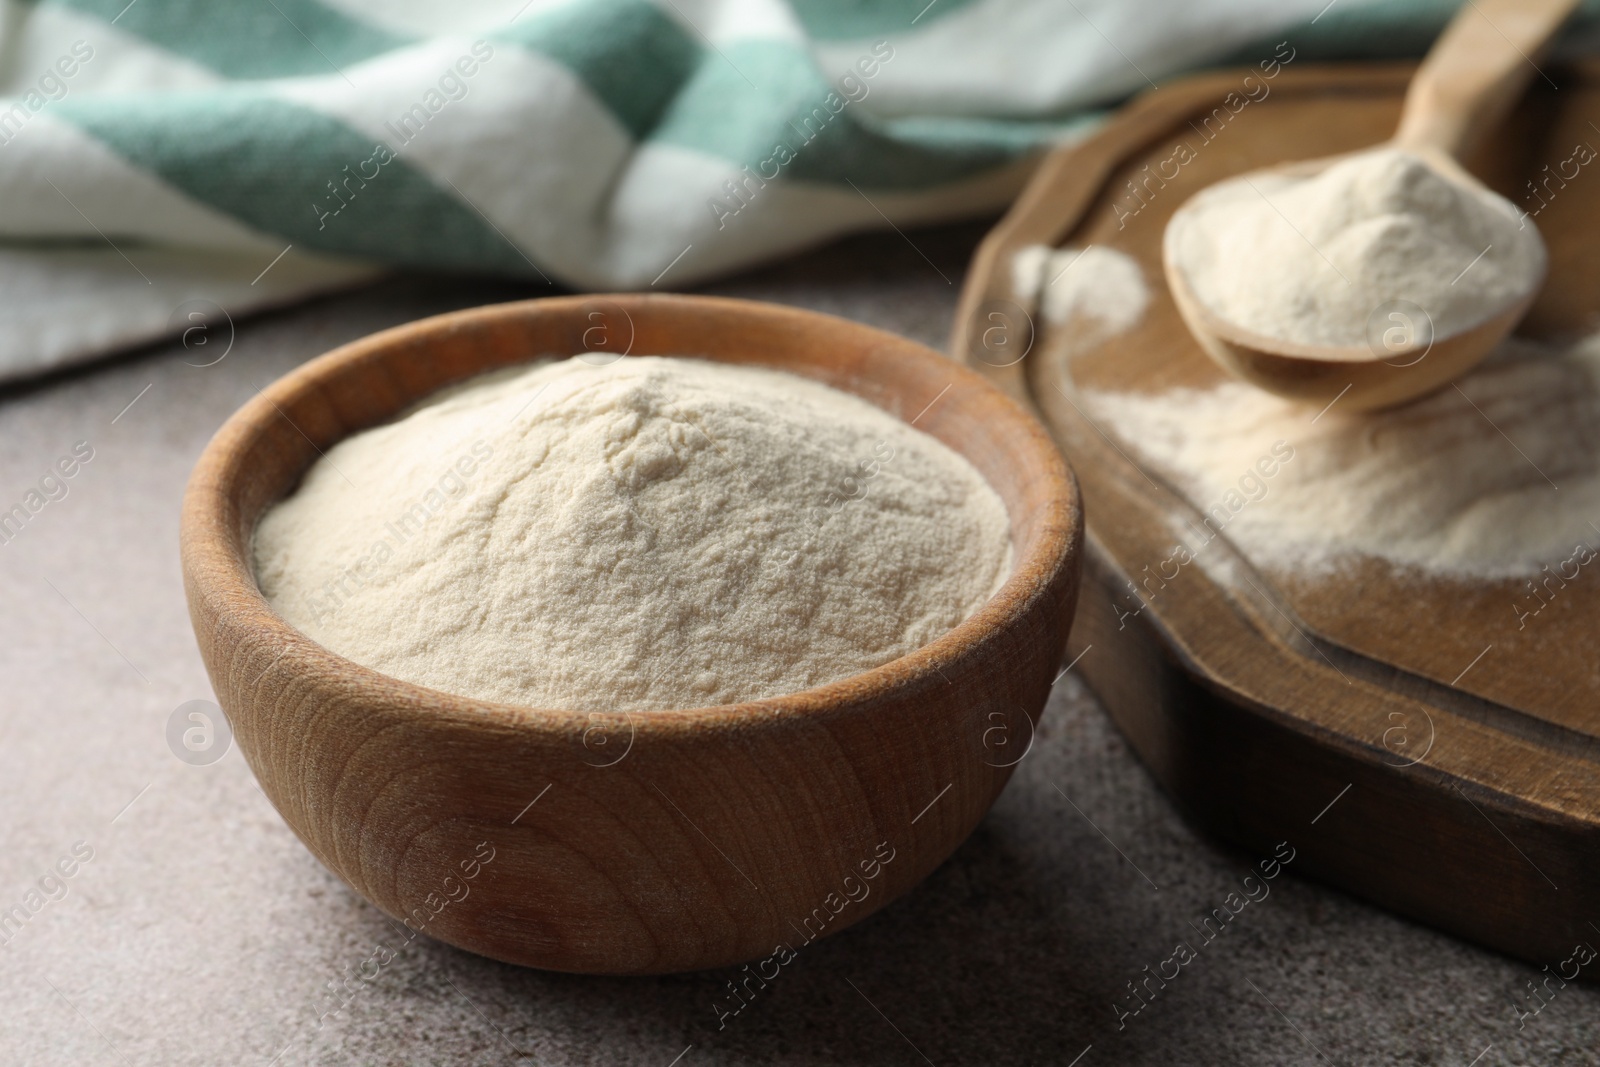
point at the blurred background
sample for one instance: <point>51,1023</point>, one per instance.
<point>167,163</point>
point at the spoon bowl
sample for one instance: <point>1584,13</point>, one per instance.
<point>1406,359</point>
<point>1468,82</point>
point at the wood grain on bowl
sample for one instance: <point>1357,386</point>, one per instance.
<point>650,842</point>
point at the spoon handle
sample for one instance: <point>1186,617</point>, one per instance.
<point>1476,70</point>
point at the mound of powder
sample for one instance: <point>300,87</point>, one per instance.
<point>1089,287</point>
<point>1459,483</point>
<point>654,533</point>
<point>1310,259</point>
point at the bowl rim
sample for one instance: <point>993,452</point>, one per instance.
<point>216,548</point>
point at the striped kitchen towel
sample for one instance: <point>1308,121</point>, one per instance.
<point>158,156</point>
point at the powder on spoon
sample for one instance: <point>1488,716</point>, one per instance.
<point>654,533</point>
<point>1309,259</point>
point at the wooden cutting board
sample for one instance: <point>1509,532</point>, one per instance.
<point>1400,731</point>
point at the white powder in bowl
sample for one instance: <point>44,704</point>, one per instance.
<point>654,533</point>
<point>1461,484</point>
<point>1309,259</point>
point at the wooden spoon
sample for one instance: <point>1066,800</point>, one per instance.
<point>1466,85</point>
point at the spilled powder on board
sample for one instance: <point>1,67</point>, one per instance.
<point>1082,297</point>
<point>1446,485</point>
<point>1094,285</point>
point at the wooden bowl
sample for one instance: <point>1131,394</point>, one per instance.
<point>642,843</point>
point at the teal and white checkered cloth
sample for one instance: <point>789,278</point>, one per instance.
<point>250,152</point>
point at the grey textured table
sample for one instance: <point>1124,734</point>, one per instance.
<point>202,932</point>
